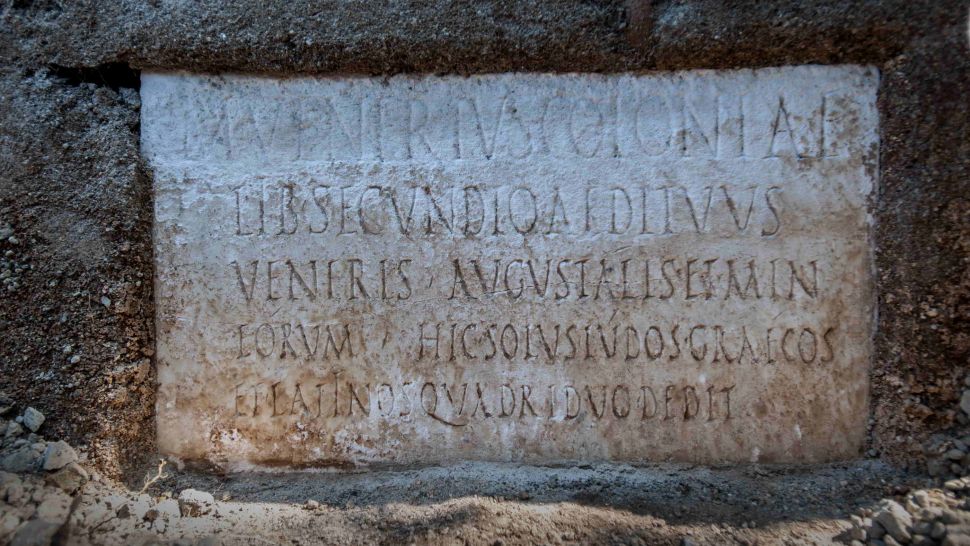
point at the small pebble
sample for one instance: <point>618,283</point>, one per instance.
<point>965,401</point>
<point>954,454</point>
<point>33,419</point>
<point>58,455</point>
<point>954,485</point>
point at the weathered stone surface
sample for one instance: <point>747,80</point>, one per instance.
<point>6,402</point>
<point>194,503</point>
<point>58,455</point>
<point>516,267</point>
<point>895,520</point>
<point>33,419</point>
<point>22,459</point>
<point>70,478</point>
<point>36,532</point>
<point>55,507</point>
<point>11,487</point>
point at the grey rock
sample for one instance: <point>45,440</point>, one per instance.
<point>70,478</point>
<point>875,531</point>
<point>954,517</point>
<point>8,523</point>
<point>11,487</point>
<point>193,503</point>
<point>895,520</point>
<point>22,459</point>
<point>938,531</point>
<point>921,498</point>
<point>955,485</point>
<point>954,454</point>
<point>858,530</point>
<point>957,535</point>
<point>965,401</point>
<point>14,429</point>
<point>33,419</point>
<point>936,467</point>
<point>38,532</point>
<point>167,509</point>
<point>888,540</point>
<point>934,513</point>
<point>55,506</point>
<point>58,455</point>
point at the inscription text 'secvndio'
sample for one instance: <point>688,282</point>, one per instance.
<point>513,267</point>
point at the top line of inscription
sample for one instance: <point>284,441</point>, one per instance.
<point>808,112</point>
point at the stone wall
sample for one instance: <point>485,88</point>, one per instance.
<point>76,323</point>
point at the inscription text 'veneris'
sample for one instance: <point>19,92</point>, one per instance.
<point>617,279</point>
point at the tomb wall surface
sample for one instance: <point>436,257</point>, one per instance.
<point>78,312</point>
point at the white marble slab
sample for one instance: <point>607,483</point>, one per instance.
<point>519,267</point>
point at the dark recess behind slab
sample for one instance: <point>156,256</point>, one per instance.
<point>113,75</point>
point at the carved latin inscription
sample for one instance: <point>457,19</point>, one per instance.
<point>513,267</point>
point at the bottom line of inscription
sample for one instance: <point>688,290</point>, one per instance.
<point>460,404</point>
